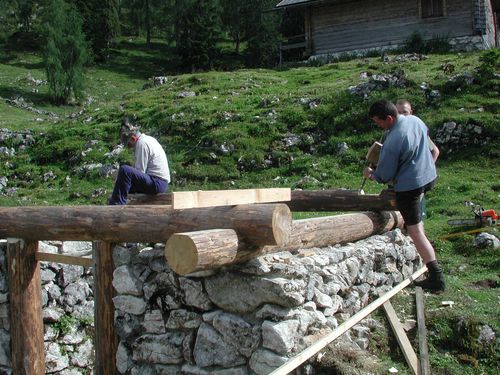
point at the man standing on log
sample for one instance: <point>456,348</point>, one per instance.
<point>406,161</point>
<point>150,174</point>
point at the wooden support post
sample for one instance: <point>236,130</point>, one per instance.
<point>26,322</point>
<point>404,343</point>
<point>425,368</point>
<point>106,340</point>
<point>307,353</point>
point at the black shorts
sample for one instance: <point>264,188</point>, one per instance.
<point>409,203</point>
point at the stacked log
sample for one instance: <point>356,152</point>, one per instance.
<point>257,224</point>
<point>198,251</point>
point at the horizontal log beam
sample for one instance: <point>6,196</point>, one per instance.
<point>305,200</point>
<point>198,251</point>
<point>339,200</point>
<point>258,224</point>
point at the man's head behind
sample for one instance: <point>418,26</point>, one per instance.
<point>127,131</point>
<point>404,107</point>
<point>382,109</point>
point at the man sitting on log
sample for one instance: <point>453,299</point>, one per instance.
<point>406,161</point>
<point>150,173</point>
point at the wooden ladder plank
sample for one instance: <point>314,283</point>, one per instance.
<point>425,368</point>
<point>212,198</point>
<point>404,343</point>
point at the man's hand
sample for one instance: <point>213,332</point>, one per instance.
<point>368,173</point>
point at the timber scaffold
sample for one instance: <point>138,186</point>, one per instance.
<point>202,230</point>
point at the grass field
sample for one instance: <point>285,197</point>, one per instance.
<point>275,128</point>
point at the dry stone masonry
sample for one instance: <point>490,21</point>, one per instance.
<point>245,319</point>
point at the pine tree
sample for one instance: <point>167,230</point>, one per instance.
<point>263,44</point>
<point>101,24</point>
<point>197,32</point>
<point>65,51</point>
<point>237,19</point>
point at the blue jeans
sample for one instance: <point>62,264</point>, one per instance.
<point>131,180</point>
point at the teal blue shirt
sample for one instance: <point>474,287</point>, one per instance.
<point>405,159</point>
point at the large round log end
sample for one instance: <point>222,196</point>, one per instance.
<point>181,254</point>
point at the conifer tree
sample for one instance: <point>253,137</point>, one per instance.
<point>197,32</point>
<point>101,24</point>
<point>65,51</point>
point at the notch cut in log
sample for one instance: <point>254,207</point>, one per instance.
<point>257,224</point>
<point>188,252</point>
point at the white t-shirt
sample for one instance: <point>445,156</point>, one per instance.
<point>150,158</point>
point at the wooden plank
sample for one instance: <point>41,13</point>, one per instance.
<point>106,339</point>
<point>425,368</point>
<point>404,343</point>
<point>144,199</point>
<point>212,198</point>
<point>307,353</point>
<point>25,300</point>
<point>64,258</point>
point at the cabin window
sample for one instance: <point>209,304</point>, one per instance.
<point>432,8</point>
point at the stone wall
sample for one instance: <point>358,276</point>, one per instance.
<point>245,319</point>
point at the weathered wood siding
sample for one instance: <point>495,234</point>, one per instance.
<point>354,25</point>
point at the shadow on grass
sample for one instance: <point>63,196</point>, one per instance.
<point>138,61</point>
<point>42,99</point>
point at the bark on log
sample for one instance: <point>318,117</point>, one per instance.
<point>339,200</point>
<point>258,224</point>
<point>306,233</point>
<point>26,325</point>
<point>197,251</point>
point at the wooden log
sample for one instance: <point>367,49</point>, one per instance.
<point>307,353</point>
<point>259,224</point>
<point>106,339</point>
<point>339,200</point>
<point>329,231</point>
<point>26,324</point>
<point>196,251</point>
<point>147,199</point>
<point>188,252</point>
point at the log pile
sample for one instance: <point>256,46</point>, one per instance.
<point>209,235</point>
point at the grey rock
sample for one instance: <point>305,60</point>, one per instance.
<point>130,304</point>
<point>264,361</point>
<point>159,349</point>
<point>211,350</point>
<point>281,336</point>
<point>242,294</point>
<point>194,295</point>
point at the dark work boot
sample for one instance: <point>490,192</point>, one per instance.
<point>434,283</point>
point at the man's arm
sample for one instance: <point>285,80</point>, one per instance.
<point>141,157</point>
<point>434,149</point>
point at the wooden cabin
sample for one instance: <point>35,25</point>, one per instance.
<point>338,26</point>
